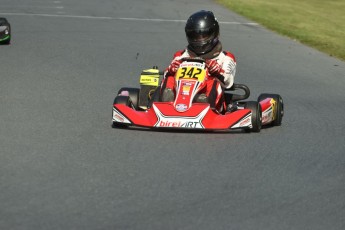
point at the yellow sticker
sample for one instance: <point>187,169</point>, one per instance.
<point>191,72</point>
<point>149,80</point>
<point>273,103</point>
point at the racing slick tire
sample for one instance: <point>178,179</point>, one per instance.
<point>123,100</point>
<point>279,107</point>
<point>133,94</point>
<point>255,107</point>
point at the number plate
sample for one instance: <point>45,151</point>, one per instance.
<point>191,70</point>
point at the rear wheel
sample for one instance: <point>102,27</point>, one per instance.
<point>278,108</point>
<point>255,107</point>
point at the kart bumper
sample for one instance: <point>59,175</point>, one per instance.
<point>164,115</point>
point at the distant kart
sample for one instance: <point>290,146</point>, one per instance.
<point>5,31</point>
<point>142,107</point>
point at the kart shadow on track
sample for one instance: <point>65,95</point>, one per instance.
<point>192,131</point>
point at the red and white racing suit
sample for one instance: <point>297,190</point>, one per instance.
<point>213,89</point>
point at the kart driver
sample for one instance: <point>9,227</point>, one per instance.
<point>202,32</point>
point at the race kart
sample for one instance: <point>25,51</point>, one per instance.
<point>143,107</point>
<point>5,31</point>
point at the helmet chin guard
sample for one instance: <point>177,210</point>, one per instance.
<point>214,52</point>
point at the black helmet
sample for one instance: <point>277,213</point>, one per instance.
<point>202,31</point>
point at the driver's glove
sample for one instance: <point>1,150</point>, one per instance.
<point>215,69</point>
<point>174,65</point>
<point>213,66</point>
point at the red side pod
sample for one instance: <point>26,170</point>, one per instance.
<point>267,110</point>
<point>265,104</point>
<point>213,120</point>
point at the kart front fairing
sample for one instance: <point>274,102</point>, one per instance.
<point>164,115</point>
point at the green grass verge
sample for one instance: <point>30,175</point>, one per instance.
<point>317,23</point>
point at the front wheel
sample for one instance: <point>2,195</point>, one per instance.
<point>255,108</point>
<point>123,100</point>
<point>132,93</point>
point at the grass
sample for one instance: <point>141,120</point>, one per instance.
<point>317,23</point>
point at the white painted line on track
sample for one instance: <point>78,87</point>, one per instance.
<point>33,7</point>
<point>123,19</point>
<point>169,20</point>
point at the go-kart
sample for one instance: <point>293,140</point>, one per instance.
<point>143,107</point>
<point>5,31</point>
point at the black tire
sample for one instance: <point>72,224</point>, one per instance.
<point>255,107</point>
<point>279,107</point>
<point>133,95</point>
<point>123,100</point>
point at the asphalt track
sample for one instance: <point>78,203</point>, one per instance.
<point>62,166</point>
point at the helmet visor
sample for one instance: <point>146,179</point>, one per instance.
<point>201,41</point>
<point>201,36</point>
